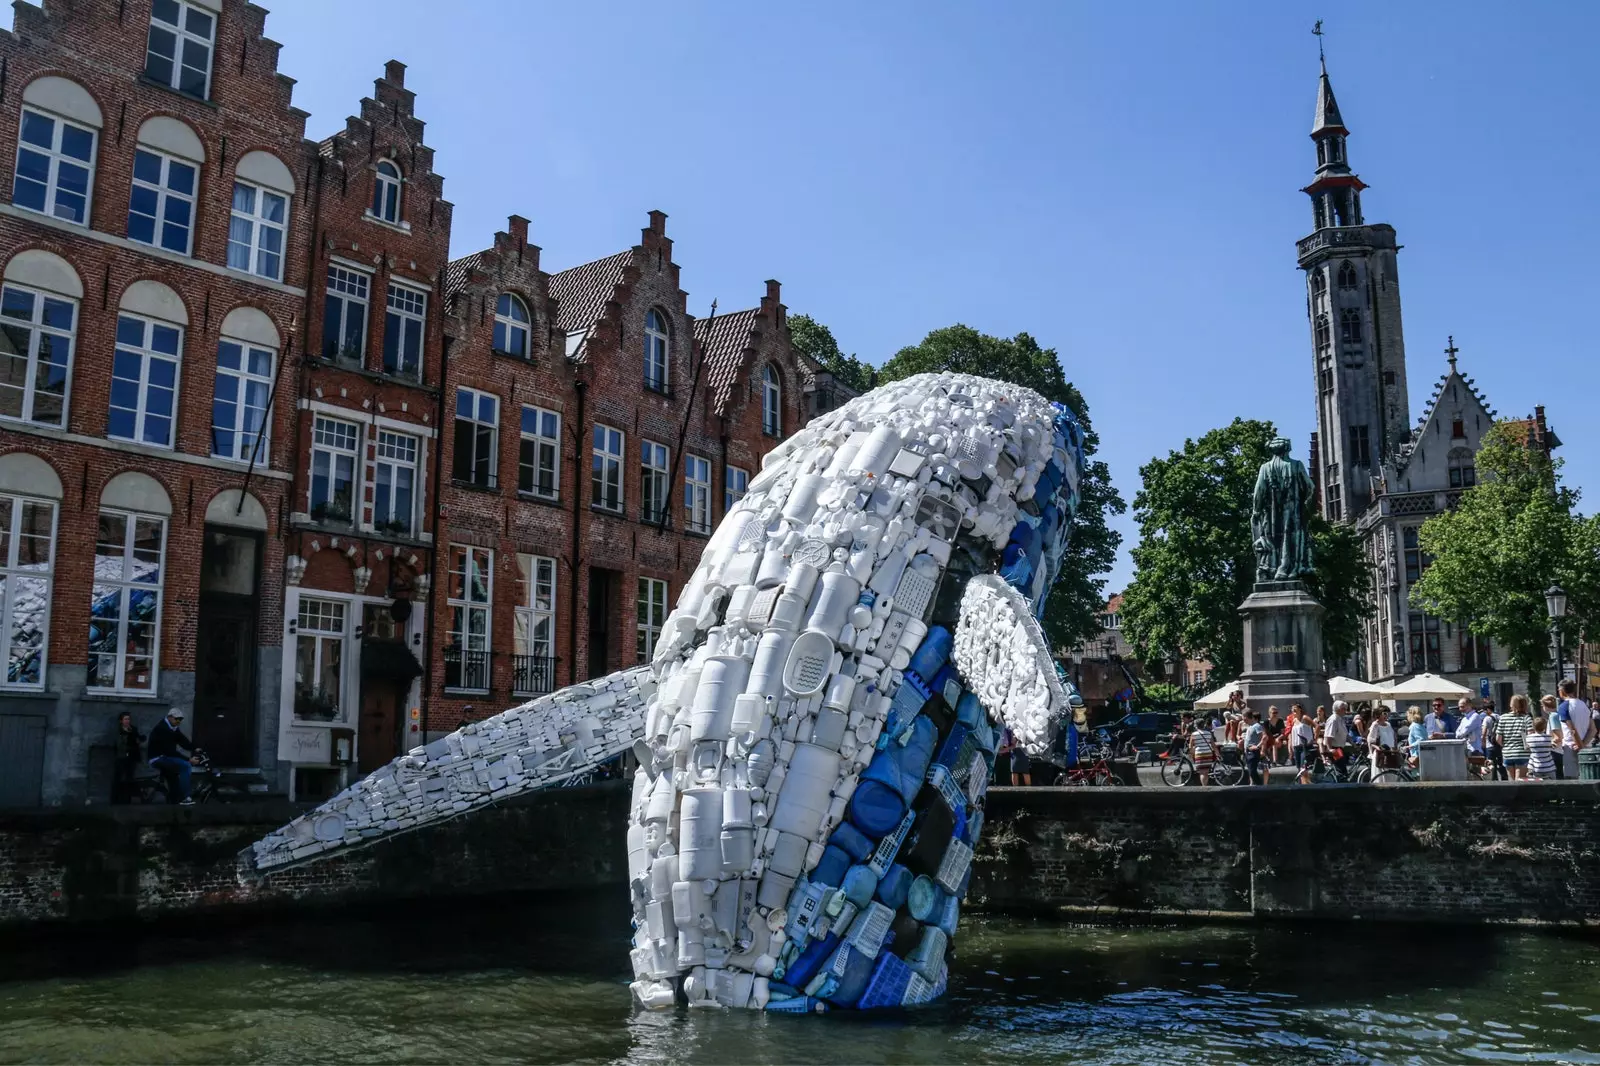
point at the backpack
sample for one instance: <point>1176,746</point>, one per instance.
<point>1491,729</point>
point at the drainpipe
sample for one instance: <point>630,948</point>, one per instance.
<point>577,516</point>
<point>433,531</point>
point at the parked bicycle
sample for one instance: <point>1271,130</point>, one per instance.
<point>207,782</point>
<point>1089,772</point>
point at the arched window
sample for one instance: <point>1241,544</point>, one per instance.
<point>655,351</point>
<point>1319,283</point>
<point>1347,275</point>
<point>1350,326</point>
<point>511,321</point>
<point>1321,333</point>
<point>771,403</point>
<point>1463,474</point>
<point>386,192</point>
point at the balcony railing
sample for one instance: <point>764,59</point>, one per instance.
<point>533,675</point>
<point>466,669</point>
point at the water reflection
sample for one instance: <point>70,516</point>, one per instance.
<point>520,983</point>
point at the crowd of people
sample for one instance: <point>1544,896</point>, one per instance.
<point>1520,743</point>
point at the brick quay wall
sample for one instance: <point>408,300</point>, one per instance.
<point>1473,853</point>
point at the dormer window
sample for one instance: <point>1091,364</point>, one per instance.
<point>386,192</point>
<point>511,326</point>
<point>655,351</point>
<point>178,53</point>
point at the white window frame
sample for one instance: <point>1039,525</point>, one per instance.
<point>394,452</point>
<point>55,158</point>
<point>241,380</point>
<point>148,357</point>
<point>469,605</point>
<point>535,573</point>
<point>387,192</point>
<point>352,289</point>
<point>507,325</point>
<point>259,223</point>
<point>475,417</point>
<point>650,615</point>
<point>309,625</point>
<point>656,346</point>
<point>545,439</point>
<point>697,493</point>
<point>183,35</point>
<point>125,586</point>
<point>165,195</point>
<point>736,484</point>
<point>771,402</point>
<point>605,470</point>
<point>37,330</point>
<point>329,439</point>
<point>405,304</point>
<point>12,508</point>
<point>654,470</point>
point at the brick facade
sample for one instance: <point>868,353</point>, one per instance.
<point>321,635</point>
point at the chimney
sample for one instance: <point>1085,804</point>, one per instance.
<point>658,223</point>
<point>394,72</point>
<point>519,229</point>
<point>769,302</point>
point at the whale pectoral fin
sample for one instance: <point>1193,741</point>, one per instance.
<point>538,744</point>
<point>1005,661</point>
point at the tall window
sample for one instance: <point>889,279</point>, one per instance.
<point>605,480</point>
<point>652,480</point>
<point>1424,642</point>
<point>771,402</point>
<point>386,191</point>
<point>255,231</point>
<point>655,351</point>
<point>1347,275</point>
<point>144,381</point>
<point>1417,561</point>
<point>125,604</point>
<point>335,448</point>
<point>1321,333</point>
<point>738,484</point>
<point>1325,379</point>
<point>161,201</point>
<point>178,51</point>
<point>36,332</point>
<point>55,162</point>
<point>697,493</point>
<point>344,316</point>
<point>534,644</point>
<point>1319,287</point>
<point>1360,446</point>
<point>1475,651</point>
<point>539,461</point>
<point>239,403</point>
<point>652,614</point>
<point>1458,429</point>
<point>511,321</point>
<point>319,658</point>
<point>471,587</point>
<point>477,461</point>
<point>402,331</point>
<point>1463,474</point>
<point>1332,502</point>
<point>1350,326</point>
<point>27,539</point>
<point>394,488</point>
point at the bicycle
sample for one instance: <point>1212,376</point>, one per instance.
<point>1097,772</point>
<point>1325,771</point>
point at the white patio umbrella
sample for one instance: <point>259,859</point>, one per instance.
<point>1213,701</point>
<point>1426,687</point>
<point>1348,688</point>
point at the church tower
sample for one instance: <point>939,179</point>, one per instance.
<point>1353,301</point>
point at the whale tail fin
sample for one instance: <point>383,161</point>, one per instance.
<point>1005,660</point>
<point>546,742</point>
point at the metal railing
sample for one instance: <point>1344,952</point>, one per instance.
<point>466,669</point>
<point>533,675</point>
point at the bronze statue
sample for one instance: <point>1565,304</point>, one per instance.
<point>1278,512</point>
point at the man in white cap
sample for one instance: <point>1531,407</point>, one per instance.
<point>165,741</point>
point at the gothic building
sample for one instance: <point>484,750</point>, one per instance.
<point>1374,469</point>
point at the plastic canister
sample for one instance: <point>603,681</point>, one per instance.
<point>894,886</point>
<point>766,671</point>
<point>749,715</point>
<point>774,890</point>
<point>876,808</point>
<point>789,857</point>
<point>738,848</point>
<point>722,680</point>
<point>802,501</point>
<point>932,654</point>
<point>638,853</point>
<point>852,840</point>
<point>859,885</point>
<point>831,870</point>
<point>662,799</point>
<point>788,612</point>
<point>774,566</point>
<point>927,956</point>
<point>806,789</point>
<point>849,972</point>
<point>877,451</point>
<point>840,592</point>
<point>923,898</point>
<point>828,732</point>
<point>700,834</point>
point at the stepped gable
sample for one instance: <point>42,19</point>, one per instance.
<point>582,294</point>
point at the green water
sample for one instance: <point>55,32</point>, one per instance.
<point>542,983</point>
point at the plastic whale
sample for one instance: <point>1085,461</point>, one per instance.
<point>816,729</point>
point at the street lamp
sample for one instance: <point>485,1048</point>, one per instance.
<point>1555,604</point>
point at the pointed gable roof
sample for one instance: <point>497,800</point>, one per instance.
<point>584,289</point>
<point>722,341</point>
<point>1461,390</point>
<point>1327,117</point>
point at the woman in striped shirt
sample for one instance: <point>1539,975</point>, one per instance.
<point>1513,729</point>
<point>1202,751</point>
<point>1541,761</point>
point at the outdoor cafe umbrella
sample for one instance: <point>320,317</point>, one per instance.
<point>1426,686</point>
<point>1348,688</point>
<point>1213,701</point>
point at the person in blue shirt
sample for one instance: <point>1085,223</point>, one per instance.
<point>1254,736</point>
<point>165,741</point>
<point>1416,735</point>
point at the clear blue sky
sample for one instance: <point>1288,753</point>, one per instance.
<point>1119,180</point>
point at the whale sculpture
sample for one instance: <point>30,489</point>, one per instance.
<point>816,730</point>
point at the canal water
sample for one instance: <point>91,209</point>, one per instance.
<point>539,983</point>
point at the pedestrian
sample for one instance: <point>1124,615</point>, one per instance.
<point>1021,764</point>
<point>1470,728</point>
<point>128,742</point>
<point>1513,731</point>
<point>1493,750</point>
<point>1579,729</point>
<point>1303,740</point>
<point>1541,759</point>
<point>1380,738</point>
<point>1549,713</point>
<point>1203,753</point>
<point>165,741</point>
<point>1274,728</point>
<point>1416,734</point>
<point>1254,738</point>
<point>1434,723</point>
<point>1336,736</point>
<point>1233,716</point>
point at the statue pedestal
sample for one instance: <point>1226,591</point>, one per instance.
<point>1282,647</point>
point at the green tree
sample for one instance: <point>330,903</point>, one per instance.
<point>1510,538</point>
<point>813,339</point>
<point>1079,594</point>
<point>1194,564</point>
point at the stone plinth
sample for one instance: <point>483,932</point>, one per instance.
<point>1282,647</point>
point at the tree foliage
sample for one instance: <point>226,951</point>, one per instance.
<point>1079,593</point>
<point>813,339</point>
<point>1194,564</point>
<point>1509,539</point>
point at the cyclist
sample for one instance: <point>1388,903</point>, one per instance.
<point>165,740</point>
<point>1336,736</point>
<point>1203,753</point>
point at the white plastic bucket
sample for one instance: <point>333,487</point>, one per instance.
<point>766,672</point>
<point>774,890</point>
<point>699,834</point>
<point>806,791</point>
<point>738,849</point>
<point>788,612</point>
<point>735,809</point>
<point>840,592</point>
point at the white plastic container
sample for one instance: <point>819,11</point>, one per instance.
<point>789,857</point>
<point>638,853</point>
<point>722,680</point>
<point>877,452</point>
<point>700,834</point>
<point>774,892</point>
<point>806,791</point>
<point>802,501</point>
<point>750,709</point>
<point>766,672</point>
